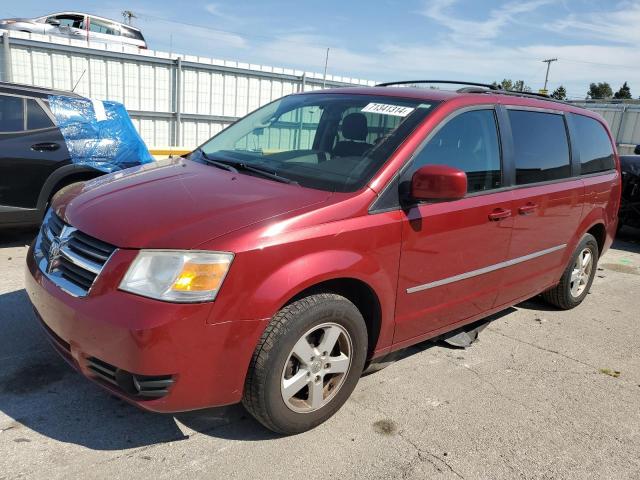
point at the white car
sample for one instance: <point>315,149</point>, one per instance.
<point>78,25</point>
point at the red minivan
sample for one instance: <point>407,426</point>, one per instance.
<point>318,234</point>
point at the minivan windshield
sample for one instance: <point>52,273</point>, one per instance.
<point>332,141</point>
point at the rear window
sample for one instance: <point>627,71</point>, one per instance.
<point>11,114</point>
<point>540,145</point>
<point>594,145</point>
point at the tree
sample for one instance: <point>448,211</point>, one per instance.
<point>624,92</point>
<point>600,90</point>
<point>559,93</point>
<point>510,85</point>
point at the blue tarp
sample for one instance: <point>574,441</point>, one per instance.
<point>99,134</point>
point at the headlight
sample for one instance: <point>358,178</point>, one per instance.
<point>177,276</point>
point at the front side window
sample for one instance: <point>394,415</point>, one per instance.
<point>11,114</point>
<point>73,21</point>
<point>332,142</point>
<point>594,145</point>
<point>470,143</point>
<point>541,147</point>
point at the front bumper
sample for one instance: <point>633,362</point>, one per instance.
<point>206,361</point>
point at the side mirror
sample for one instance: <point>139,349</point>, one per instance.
<point>55,23</point>
<point>637,150</point>
<point>438,182</point>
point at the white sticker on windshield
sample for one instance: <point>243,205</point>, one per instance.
<point>386,109</point>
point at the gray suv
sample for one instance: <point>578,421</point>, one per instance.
<point>79,26</point>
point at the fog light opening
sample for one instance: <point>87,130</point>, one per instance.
<point>126,382</point>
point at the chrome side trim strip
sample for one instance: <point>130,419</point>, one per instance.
<point>482,271</point>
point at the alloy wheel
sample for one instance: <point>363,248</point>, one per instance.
<point>581,272</point>
<point>316,368</point>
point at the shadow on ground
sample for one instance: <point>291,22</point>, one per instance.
<point>627,239</point>
<point>17,237</point>
<point>39,391</point>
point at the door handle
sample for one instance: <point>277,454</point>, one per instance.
<point>499,214</point>
<point>527,209</point>
<point>45,147</point>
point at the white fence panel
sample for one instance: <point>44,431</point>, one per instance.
<point>172,99</point>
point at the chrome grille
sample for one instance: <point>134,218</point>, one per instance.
<point>69,258</point>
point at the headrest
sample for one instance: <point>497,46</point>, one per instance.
<point>354,127</point>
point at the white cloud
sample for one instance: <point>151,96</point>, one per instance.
<point>476,50</point>
<point>619,26</point>
<point>470,31</point>
<point>217,11</point>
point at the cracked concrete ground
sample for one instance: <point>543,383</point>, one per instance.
<point>538,396</point>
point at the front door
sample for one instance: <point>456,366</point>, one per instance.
<point>452,252</point>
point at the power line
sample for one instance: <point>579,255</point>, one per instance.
<point>570,60</point>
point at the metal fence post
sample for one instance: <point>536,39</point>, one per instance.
<point>178,100</point>
<point>304,82</point>
<point>620,132</point>
<point>6,54</point>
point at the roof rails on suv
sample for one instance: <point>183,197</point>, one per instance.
<point>474,87</point>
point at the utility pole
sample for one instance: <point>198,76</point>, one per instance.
<point>128,15</point>
<point>548,62</point>
<point>326,62</point>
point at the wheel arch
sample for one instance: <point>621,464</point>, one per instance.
<point>599,231</point>
<point>357,292</point>
<point>61,177</point>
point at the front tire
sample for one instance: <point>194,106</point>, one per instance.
<point>306,364</point>
<point>577,278</point>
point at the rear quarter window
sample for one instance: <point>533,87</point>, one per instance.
<point>36,116</point>
<point>541,146</point>
<point>594,145</point>
<point>131,33</point>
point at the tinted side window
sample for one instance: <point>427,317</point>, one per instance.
<point>469,142</point>
<point>36,116</point>
<point>131,33</point>
<point>99,26</point>
<point>11,114</point>
<point>73,21</point>
<point>596,152</point>
<point>541,146</point>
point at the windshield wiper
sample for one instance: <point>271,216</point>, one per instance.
<point>216,163</point>
<point>235,166</point>
<point>262,171</point>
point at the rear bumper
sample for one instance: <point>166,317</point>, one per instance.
<point>206,362</point>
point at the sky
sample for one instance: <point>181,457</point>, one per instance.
<point>384,40</point>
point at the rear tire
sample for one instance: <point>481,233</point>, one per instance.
<point>577,278</point>
<point>306,364</point>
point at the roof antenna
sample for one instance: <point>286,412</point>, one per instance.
<point>127,15</point>
<point>78,82</point>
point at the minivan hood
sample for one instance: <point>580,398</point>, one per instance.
<point>176,203</point>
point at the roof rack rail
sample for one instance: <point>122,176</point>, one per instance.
<point>452,82</point>
<point>475,87</point>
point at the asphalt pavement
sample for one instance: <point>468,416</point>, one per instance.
<point>544,394</point>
